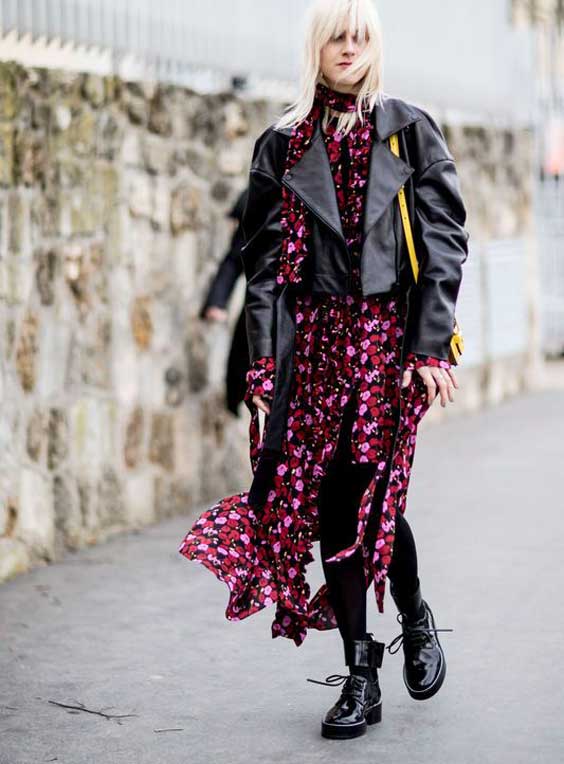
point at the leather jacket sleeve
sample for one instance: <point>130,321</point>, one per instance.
<point>440,240</point>
<point>260,253</point>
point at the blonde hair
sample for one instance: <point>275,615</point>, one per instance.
<point>327,19</point>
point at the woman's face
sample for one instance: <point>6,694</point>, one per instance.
<point>336,57</point>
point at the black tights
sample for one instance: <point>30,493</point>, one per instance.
<point>340,493</point>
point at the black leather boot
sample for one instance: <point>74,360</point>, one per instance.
<point>424,667</point>
<point>360,702</point>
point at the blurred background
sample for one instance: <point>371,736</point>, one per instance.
<point>126,132</point>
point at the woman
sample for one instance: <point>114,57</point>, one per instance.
<point>347,353</point>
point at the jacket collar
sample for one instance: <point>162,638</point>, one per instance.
<point>311,179</point>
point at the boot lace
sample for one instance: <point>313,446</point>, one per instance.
<point>417,634</point>
<point>333,680</point>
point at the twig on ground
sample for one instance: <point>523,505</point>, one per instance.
<point>82,707</point>
<point>170,729</point>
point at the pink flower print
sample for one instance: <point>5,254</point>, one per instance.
<point>318,469</point>
<point>292,572</point>
<point>282,469</point>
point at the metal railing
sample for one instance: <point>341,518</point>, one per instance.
<point>170,40</point>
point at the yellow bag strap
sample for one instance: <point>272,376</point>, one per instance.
<point>457,342</point>
<point>394,145</point>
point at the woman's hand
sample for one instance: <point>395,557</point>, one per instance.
<point>260,383</point>
<point>261,403</point>
<point>215,313</point>
<point>443,380</point>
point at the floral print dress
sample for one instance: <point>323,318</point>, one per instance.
<point>345,346</point>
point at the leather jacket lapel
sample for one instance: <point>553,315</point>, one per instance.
<point>387,174</point>
<point>311,180</point>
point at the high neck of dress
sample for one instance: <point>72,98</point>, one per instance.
<point>334,99</point>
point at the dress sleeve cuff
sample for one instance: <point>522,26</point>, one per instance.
<point>260,378</point>
<point>416,361</point>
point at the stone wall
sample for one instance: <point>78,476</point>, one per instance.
<point>113,202</point>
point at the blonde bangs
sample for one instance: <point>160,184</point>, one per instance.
<point>325,20</point>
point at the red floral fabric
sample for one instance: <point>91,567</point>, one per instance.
<point>344,346</point>
<point>260,379</point>
<point>416,361</point>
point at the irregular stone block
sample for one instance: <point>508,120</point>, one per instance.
<point>45,271</point>
<point>141,322</point>
<point>8,517</point>
<point>172,497</point>
<point>6,155</point>
<point>139,498</point>
<point>134,438</point>
<point>161,442</point>
<point>36,435</point>
<point>26,353</point>
<point>30,160</point>
<point>14,558</point>
<point>57,438</point>
<point>94,90</point>
<point>9,100</point>
<point>111,511</point>
<point>159,117</point>
<point>35,521</point>
<point>69,532</point>
<point>186,208</point>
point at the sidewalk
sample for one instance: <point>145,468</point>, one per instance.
<point>131,627</point>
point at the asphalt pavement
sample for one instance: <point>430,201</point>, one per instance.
<point>134,632</point>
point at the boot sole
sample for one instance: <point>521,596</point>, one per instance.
<point>433,688</point>
<point>348,731</point>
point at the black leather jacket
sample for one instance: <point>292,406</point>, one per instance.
<point>437,212</point>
